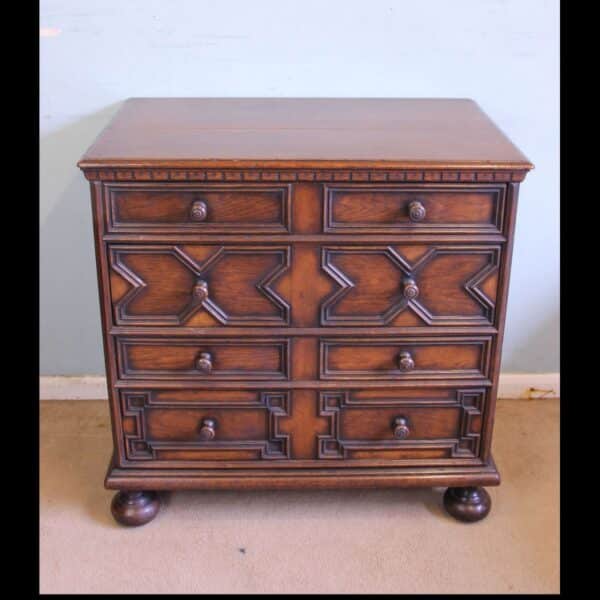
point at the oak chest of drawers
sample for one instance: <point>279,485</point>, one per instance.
<point>302,293</point>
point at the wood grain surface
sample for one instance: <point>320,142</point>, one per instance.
<point>303,292</point>
<point>307,132</point>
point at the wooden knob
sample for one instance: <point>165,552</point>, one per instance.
<point>204,363</point>
<point>198,211</point>
<point>406,362</point>
<point>416,211</point>
<point>201,290</point>
<point>207,429</point>
<point>410,290</point>
<point>400,428</point>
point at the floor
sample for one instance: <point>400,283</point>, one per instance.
<point>380,541</point>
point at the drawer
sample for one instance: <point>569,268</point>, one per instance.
<point>224,428</point>
<point>443,209</point>
<point>195,208</point>
<point>199,285</point>
<point>411,284</point>
<point>215,285</point>
<point>199,425</point>
<point>405,358</point>
<point>401,425</point>
<point>203,359</point>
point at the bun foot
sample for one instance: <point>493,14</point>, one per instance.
<point>135,508</point>
<point>467,504</point>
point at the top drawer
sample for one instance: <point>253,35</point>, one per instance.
<point>415,209</point>
<point>224,208</point>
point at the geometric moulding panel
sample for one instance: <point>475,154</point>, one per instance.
<point>171,285</point>
<point>443,285</point>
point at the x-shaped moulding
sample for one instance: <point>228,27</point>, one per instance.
<point>410,272</point>
<point>201,272</point>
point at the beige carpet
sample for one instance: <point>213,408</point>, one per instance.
<point>384,541</point>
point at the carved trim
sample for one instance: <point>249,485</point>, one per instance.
<point>137,447</point>
<point>346,284</point>
<point>132,407</point>
<point>317,175</point>
<point>408,343</point>
<point>278,445</point>
<point>406,269</point>
<point>203,344</point>
<point>329,444</point>
<point>470,286</point>
<point>469,443</point>
<point>200,272</point>
<point>466,445</point>
<point>495,226</point>
<point>113,225</point>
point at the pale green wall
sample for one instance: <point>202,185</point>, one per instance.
<point>94,54</point>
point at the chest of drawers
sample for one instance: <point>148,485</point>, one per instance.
<point>302,293</point>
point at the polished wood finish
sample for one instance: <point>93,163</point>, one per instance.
<point>302,293</point>
<point>278,479</point>
<point>404,358</point>
<point>203,359</point>
<point>198,208</point>
<point>468,504</point>
<point>198,284</point>
<point>193,285</point>
<point>411,285</point>
<point>204,364</point>
<point>308,428</point>
<point>416,211</point>
<point>207,430</point>
<point>400,209</point>
<point>135,508</point>
<point>400,428</point>
<point>307,133</point>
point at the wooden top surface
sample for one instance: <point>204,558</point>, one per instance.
<point>302,132</point>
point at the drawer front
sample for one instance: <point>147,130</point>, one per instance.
<point>199,285</point>
<point>405,208</point>
<point>229,428</point>
<point>175,208</point>
<point>203,359</point>
<point>401,425</point>
<point>198,425</point>
<point>405,358</point>
<point>437,285</point>
<point>215,285</point>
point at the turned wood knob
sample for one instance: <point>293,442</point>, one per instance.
<point>406,362</point>
<point>204,363</point>
<point>410,290</point>
<point>416,211</point>
<point>207,429</point>
<point>198,211</point>
<point>201,290</point>
<point>400,428</point>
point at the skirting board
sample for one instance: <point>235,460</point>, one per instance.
<point>91,387</point>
